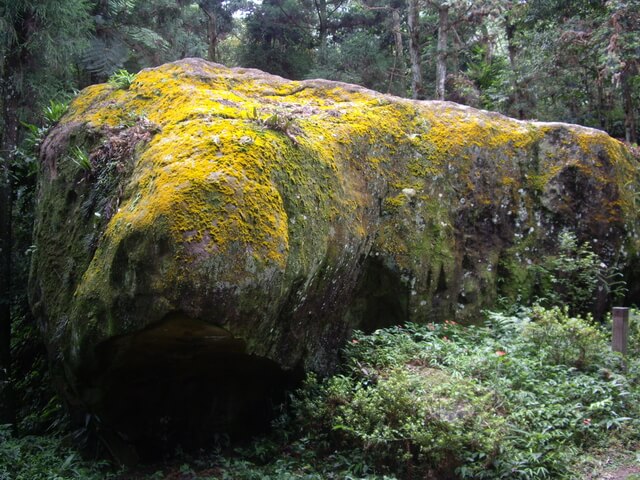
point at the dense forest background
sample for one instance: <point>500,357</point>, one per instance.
<point>555,60</point>
<point>573,61</point>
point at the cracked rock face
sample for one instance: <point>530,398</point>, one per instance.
<point>238,221</point>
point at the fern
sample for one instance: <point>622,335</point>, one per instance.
<point>121,7</point>
<point>504,324</point>
<point>115,47</point>
<point>145,37</point>
<point>104,56</point>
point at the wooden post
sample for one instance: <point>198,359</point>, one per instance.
<point>620,337</point>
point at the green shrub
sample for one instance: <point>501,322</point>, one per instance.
<point>419,419</point>
<point>565,340</point>
<point>634,333</point>
<point>522,397</point>
<point>574,276</point>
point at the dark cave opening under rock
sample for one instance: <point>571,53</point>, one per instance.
<point>183,384</point>
<point>382,297</point>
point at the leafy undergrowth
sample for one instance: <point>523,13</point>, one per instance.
<point>43,457</point>
<point>536,394</point>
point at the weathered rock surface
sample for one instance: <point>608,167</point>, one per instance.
<point>228,216</point>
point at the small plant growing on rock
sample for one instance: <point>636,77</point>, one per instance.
<point>53,112</point>
<point>277,121</point>
<point>121,79</point>
<point>81,158</point>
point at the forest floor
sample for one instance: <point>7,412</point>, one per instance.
<point>619,473</point>
<point>606,465</point>
<point>612,465</point>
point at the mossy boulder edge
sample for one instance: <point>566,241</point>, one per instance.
<point>279,215</point>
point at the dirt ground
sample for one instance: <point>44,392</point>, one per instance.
<point>613,466</point>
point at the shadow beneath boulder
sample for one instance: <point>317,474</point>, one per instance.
<point>181,384</point>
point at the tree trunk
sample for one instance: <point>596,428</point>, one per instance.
<point>443,36</point>
<point>602,121</point>
<point>414,50</point>
<point>8,142</point>
<point>453,54</point>
<point>399,66</point>
<point>212,34</point>
<point>323,29</point>
<point>630,121</point>
<point>7,410</point>
<point>516,100</point>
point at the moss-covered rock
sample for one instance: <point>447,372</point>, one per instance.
<point>287,213</point>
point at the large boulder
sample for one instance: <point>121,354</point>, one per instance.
<point>214,223</point>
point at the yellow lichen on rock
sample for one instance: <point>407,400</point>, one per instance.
<point>269,207</point>
<point>207,184</point>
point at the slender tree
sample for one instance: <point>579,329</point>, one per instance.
<point>7,145</point>
<point>413,21</point>
<point>325,11</point>
<point>395,15</point>
<point>219,14</point>
<point>453,17</point>
<point>442,49</point>
<point>399,64</point>
<point>515,99</point>
<point>323,28</point>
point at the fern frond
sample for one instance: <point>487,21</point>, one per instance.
<point>121,7</point>
<point>104,56</point>
<point>145,37</point>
